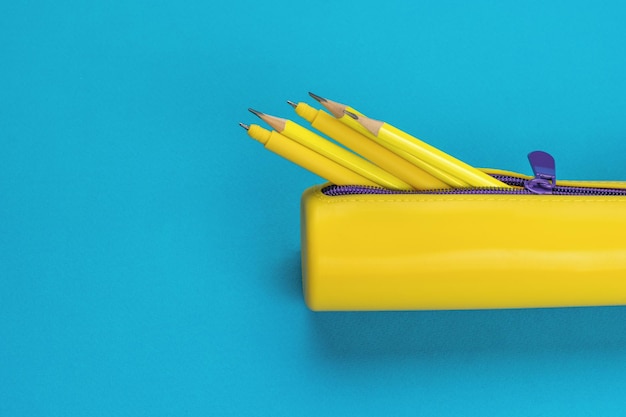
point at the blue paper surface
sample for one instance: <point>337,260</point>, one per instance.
<point>149,250</point>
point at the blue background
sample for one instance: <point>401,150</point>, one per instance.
<point>149,250</point>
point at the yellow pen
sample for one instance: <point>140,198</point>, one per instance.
<point>305,157</point>
<point>333,152</point>
<point>339,111</point>
<point>369,149</point>
<point>427,153</point>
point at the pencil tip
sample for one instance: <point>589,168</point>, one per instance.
<point>292,104</point>
<point>255,112</point>
<point>245,126</point>
<point>318,98</point>
<point>349,113</point>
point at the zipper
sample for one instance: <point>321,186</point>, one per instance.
<point>544,182</point>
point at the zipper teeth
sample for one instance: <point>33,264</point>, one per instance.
<point>563,189</point>
<point>340,190</point>
<point>509,180</point>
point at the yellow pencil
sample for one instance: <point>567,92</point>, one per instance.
<point>339,111</point>
<point>427,153</point>
<point>333,152</point>
<point>305,157</point>
<point>369,149</point>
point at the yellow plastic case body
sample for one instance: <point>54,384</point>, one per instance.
<point>429,252</point>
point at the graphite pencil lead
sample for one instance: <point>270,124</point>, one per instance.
<point>318,98</point>
<point>245,126</point>
<point>349,113</point>
<point>256,112</point>
<point>292,104</point>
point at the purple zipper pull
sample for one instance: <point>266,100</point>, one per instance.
<point>544,169</point>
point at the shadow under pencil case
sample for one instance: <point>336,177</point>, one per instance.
<point>541,243</point>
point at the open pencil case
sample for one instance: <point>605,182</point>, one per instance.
<point>542,243</point>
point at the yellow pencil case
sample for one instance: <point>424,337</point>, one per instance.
<point>543,243</point>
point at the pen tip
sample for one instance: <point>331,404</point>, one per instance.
<point>255,112</point>
<point>245,126</point>
<point>318,98</point>
<point>354,116</point>
<point>292,104</point>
